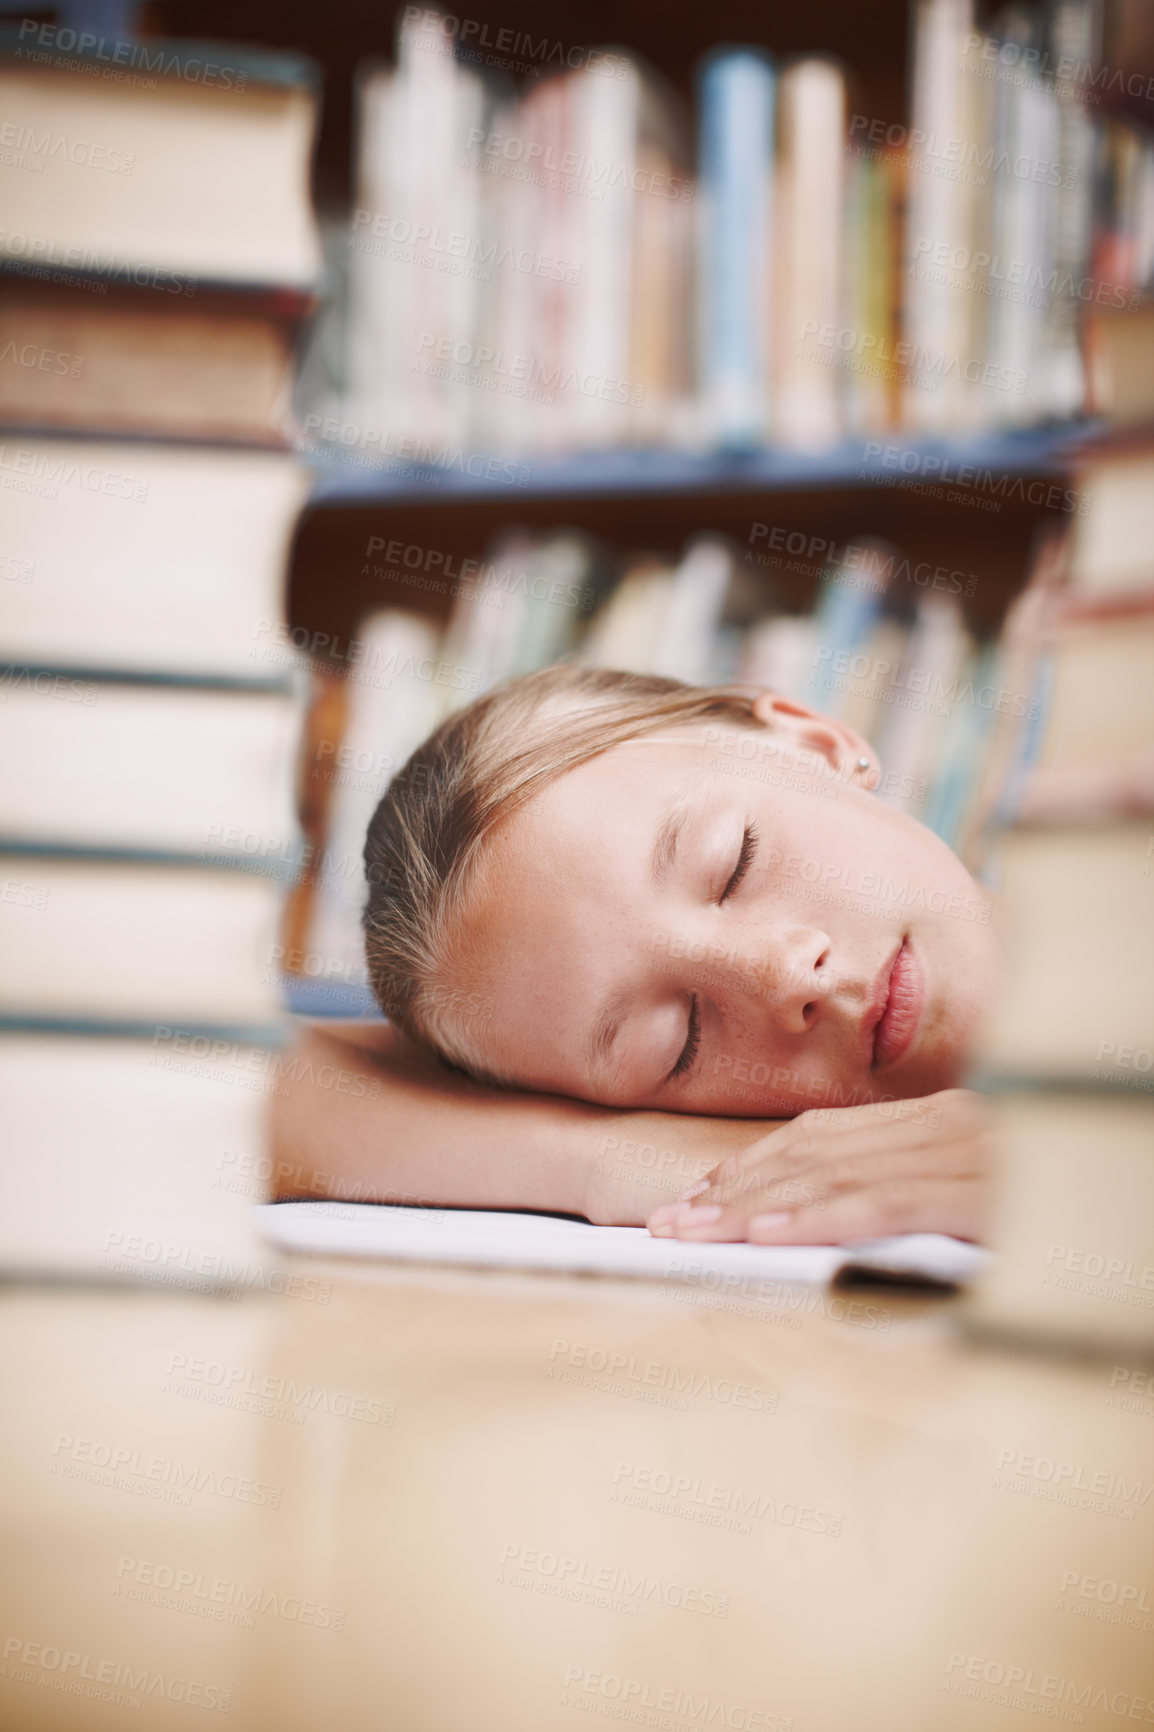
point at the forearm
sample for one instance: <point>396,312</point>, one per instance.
<point>361,1114</point>
<point>364,1115</point>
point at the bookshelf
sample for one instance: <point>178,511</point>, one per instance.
<point>629,500</point>
<point>657,499</point>
<point>650,474</point>
<point>970,504</point>
<point>636,498</point>
<point>629,496</point>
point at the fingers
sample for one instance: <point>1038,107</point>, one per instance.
<point>939,1205</point>
<point>829,1175</point>
<point>896,1204</point>
<point>773,1185</point>
<point>726,1214</point>
<point>817,1136</point>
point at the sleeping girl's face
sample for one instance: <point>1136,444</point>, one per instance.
<point>727,921</point>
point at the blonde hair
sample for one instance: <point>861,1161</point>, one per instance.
<point>426,841</point>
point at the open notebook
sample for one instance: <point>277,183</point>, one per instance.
<point>487,1239</point>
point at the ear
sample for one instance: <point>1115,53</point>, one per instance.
<point>839,747</point>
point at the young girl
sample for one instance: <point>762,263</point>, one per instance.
<point>660,901</point>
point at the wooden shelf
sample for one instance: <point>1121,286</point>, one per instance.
<point>365,545</point>
<point>648,474</point>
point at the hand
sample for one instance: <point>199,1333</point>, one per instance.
<point>637,1160</point>
<point>836,1175</point>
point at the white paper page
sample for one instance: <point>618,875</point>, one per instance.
<point>488,1239</point>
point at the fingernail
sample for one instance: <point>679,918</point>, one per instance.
<point>769,1223</point>
<point>663,1217</point>
<point>695,1190</point>
<point>698,1214</point>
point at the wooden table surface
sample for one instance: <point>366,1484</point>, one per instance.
<point>431,1501</point>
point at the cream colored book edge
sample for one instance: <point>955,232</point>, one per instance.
<point>134,1160</point>
<point>1080,988</point>
<point>1073,1225</point>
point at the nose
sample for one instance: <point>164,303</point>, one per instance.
<point>783,973</point>
<point>790,977</point>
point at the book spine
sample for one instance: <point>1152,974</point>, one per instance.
<point>737,95</point>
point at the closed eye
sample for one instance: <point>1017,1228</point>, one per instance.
<point>692,1043</point>
<point>744,861</point>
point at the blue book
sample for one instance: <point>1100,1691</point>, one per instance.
<point>737,119</point>
<point>844,618</point>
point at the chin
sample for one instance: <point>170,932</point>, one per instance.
<point>946,1073</point>
<point>946,1066</point>
<point>952,1030</point>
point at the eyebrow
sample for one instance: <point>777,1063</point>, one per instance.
<point>607,1026</point>
<point>668,836</point>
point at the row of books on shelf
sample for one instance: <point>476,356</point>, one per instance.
<point>564,266</point>
<point>560,269</point>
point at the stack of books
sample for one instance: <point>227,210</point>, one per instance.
<point>562,267</point>
<point>148,738</point>
<point>1070,1053</point>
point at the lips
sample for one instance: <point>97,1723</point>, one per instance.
<point>899,1008</point>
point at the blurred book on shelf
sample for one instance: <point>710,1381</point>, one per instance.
<point>519,265</point>
<point>546,268</point>
<point>393,702</point>
<point>149,726</point>
<point>736,98</point>
<point>1017,230</point>
<point>805,292</point>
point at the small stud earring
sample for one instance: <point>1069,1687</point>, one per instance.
<point>863,763</point>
